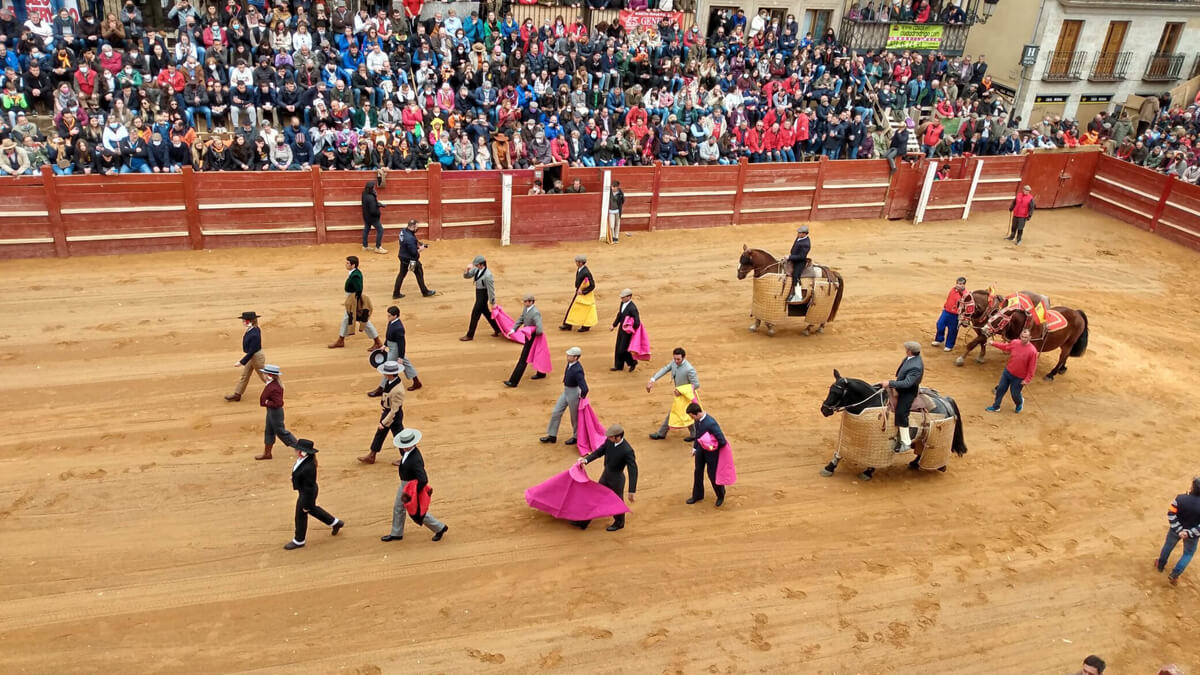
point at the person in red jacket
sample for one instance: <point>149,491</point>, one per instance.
<point>770,143</point>
<point>1022,210</point>
<point>787,137</point>
<point>947,323</point>
<point>1022,362</point>
<point>754,143</point>
<point>272,400</point>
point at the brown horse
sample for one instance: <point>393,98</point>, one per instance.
<point>1070,340</point>
<point>974,310</point>
<point>761,262</point>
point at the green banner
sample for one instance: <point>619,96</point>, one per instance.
<point>914,36</point>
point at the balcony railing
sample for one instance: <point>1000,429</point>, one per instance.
<point>1064,66</point>
<point>1163,68</point>
<point>1110,67</point>
<point>861,36</point>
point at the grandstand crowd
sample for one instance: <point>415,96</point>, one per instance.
<point>245,87</point>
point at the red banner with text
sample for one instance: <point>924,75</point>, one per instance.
<point>634,20</point>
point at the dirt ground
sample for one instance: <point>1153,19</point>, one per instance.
<point>139,536</point>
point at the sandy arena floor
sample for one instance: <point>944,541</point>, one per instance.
<point>140,537</point>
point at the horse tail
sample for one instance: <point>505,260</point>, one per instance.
<point>837,299</point>
<point>959,445</point>
<point>1080,345</point>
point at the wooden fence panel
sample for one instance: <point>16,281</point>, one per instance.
<point>778,193</point>
<point>852,189</point>
<point>999,182</point>
<point>637,182</point>
<point>1180,217</point>
<point>1125,192</point>
<point>471,204</point>
<point>696,196</point>
<point>25,229</point>
<point>947,199</point>
<point>547,218</point>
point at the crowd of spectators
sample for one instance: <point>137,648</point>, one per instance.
<point>239,88</point>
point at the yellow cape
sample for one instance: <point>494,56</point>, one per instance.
<point>583,310</point>
<point>679,417</point>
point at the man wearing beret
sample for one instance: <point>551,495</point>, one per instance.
<point>485,294</point>
<point>907,385</point>
<point>799,259</point>
<point>253,359</point>
<point>574,388</point>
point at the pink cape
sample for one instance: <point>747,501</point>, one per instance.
<point>639,340</point>
<point>539,354</point>
<point>571,495</point>
<point>726,473</point>
<point>590,433</point>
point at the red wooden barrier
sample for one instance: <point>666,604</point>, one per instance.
<point>78,215</point>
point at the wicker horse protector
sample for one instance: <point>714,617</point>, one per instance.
<point>771,292</point>
<point>867,439</point>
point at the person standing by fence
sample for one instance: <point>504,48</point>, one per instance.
<point>616,204</point>
<point>1022,211</point>
<point>371,217</point>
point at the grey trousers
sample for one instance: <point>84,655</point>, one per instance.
<point>368,328</point>
<point>666,426</point>
<point>569,399</point>
<point>399,515</point>
<point>410,371</point>
<point>275,428</point>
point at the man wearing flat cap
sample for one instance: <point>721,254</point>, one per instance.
<point>574,388</point>
<point>907,385</point>
<point>618,457</point>
<point>485,294</point>
<point>253,359</point>
<point>582,312</point>
<point>530,316</point>
<point>799,259</point>
<point>627,310</point>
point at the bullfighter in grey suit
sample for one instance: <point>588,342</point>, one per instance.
<point>574,388</point>
<point>682,372</point>
<point>485,294</point>
<point>907,385</point>
<point>530,316</point>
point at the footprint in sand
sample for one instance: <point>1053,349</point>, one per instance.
<point>756,637</point>
<point>794,595</point>
<point>485,657</point>
<point>593,633</point>
<point>51,329</point>
<point>551,660</point>
<point>654,638</point>
<point>846,593</point>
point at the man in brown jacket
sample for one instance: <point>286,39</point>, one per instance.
<point>1147,113</point>
<point>392,416</point>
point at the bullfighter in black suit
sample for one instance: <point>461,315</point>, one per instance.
<point>304,481</point>
<point>618,458</point>
<point>622,357</point>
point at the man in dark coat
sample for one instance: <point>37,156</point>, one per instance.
<point>622,357</point>
<point>304,481</point>
<point>410,259</point>
<point>705,460</point>
<point>371,217</point>
<point>799,259</point>
<point>907,385</point>
<point>253,358</point>
<point>618,457</point>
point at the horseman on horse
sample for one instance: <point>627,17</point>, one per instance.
<point>792,287</point>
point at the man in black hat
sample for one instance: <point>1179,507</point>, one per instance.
<point>410,259</point>
<point>618,457</point>
<point>799,259</point>
<point>304,481</point>
<point>391,418</point>
<point>253,359</point>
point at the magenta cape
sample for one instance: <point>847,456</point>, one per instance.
<point>639,340</point>
<point>726,473</point>
<point>590,433</point>
<point>539,354</point>
<point>571,495</point>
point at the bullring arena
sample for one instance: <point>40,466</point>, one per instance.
<point>141,537</point>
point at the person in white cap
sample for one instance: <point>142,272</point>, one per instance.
<point>621,356</point>
<point>799,259</point>
<point>618,458</point>
<point>272,399</point>
<point>304,481</point>
<point>575,387</point>
<point>391,418</point>
<point>907,385</point>
<point>412,467</point>
<point>485,294</point>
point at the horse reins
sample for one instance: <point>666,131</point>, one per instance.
<point>851,405</point>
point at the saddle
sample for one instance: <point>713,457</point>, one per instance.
<point>924,403</point>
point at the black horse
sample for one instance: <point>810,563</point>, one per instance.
<point>854,396</point>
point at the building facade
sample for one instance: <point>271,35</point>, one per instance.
<point>1092,54</point>
<point>814,16</point>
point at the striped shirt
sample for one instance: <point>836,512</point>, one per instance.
<point>1184,515</point>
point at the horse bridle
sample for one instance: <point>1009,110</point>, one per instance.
<point>838,409</point>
